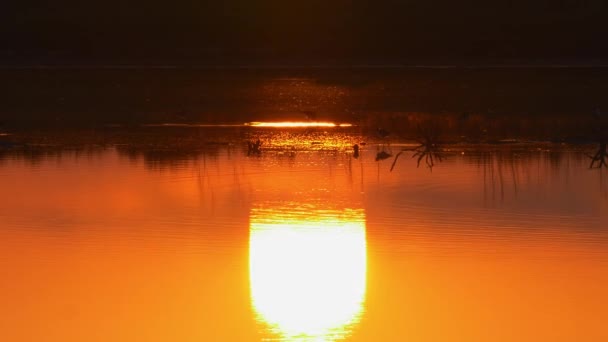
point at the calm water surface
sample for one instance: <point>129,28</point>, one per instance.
<point>304,242</point>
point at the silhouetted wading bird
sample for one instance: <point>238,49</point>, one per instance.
<point>254,147</point>
<point>356,151</point>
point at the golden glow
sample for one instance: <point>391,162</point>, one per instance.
<point>307,271</point>
<point>288,124</point>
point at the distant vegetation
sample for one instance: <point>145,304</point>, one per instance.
<point>469,104</point>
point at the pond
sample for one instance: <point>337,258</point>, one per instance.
<point>301,239</point>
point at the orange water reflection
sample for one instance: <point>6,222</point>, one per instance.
<point>104,248</point>
<point>307,270</point>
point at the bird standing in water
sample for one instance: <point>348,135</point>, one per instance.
<point>254,148</point>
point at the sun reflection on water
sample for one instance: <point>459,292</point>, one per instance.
<point>295,124</point>
<point>307,271</point>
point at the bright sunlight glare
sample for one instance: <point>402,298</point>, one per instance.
<point>308,272</point>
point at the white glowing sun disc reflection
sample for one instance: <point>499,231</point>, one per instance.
<point>307,275</point>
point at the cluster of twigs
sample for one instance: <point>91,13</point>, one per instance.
<point>429,148</point>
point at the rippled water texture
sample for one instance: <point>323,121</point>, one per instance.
<point>303,242</point>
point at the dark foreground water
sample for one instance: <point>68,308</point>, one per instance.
<point>302,242</point>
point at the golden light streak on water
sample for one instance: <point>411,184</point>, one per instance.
<point>295,124</point>
<point>307,271</point>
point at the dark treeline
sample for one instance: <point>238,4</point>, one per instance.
<point>312,31</point>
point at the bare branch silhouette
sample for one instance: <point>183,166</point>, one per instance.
<point>429,148</point>
<point>600,156</point>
